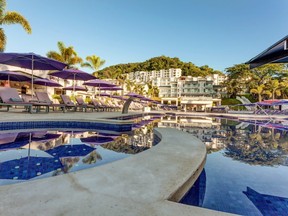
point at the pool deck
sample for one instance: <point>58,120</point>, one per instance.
<point>143,184</point>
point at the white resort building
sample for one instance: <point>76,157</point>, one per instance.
<point>192,93</point>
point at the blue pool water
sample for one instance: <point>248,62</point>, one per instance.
<point>246,171</point>
<point>37,153</point>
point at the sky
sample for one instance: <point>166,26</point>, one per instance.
<point>217,33</point>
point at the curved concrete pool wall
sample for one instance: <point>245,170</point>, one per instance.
<point>138,185</point>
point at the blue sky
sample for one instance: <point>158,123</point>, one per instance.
<point>217,33</point>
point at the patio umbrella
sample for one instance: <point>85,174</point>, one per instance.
<point>75,88</point>
<point>134,95</point>
<point>73,74</point>
<point>118,97</point>
<point>13,76</point>
<point>46,82</point>
<point>116,88</point>
<point>98,83</point>
<point>31,61</point>
<point>104,94</point>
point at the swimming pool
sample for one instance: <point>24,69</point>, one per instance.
<point>246,171</point>
<point>33,153</point>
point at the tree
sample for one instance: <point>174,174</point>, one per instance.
<point>163,62</point>
<point>260,91</point>
<point>10,17</point>
<point>153,91</point>
<point>274,86</point>
<point>93,62</point>
<point>129,85</point>
<point>237,78</point>
<point>66,55</point>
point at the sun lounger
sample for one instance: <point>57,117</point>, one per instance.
<point>29,99</point>
<point>70,104</point>
<point>44,98</point>
<point>10,97</point>
<point>81,102</point>
<point>97,105</point>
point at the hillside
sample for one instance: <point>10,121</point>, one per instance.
<point>161,62</point>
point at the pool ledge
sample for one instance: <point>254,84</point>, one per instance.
<point>141,184</point>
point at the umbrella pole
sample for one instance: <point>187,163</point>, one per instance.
<point>32,83</point>
<point>74,84</point>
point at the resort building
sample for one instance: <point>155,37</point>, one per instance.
<point>155,76</point>
<point>193,93</point>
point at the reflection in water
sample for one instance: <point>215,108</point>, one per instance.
<point>42,153</point>
<point>257,144</point>
<point>92,158</point>
<point>196,194</point>
<point>239,154</point>
<point>267,204</point>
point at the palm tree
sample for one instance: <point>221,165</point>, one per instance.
<point>139,89</point>
<point>274,86</point>
<point>129,84</point>
<point>153,91</point>
<point>66,55</point>
<point>260,90</point>
<point>10,17</point>
<point>93,62</point>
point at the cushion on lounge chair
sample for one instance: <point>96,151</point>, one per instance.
<point>16,100</point>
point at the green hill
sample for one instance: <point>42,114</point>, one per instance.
<point>158,63</point>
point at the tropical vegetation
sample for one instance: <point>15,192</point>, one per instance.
<point>10,17</point>
<point>161,62</point>
<point>66,55</point>
<point>265,82</point>
<point>93,62</point>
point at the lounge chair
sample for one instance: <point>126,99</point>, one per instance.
<point>97,105</point>
<point>70,104</point>
<point>44,98</point>
<point>29,99</point>
<point>81,102</point>
<point>10,97</point>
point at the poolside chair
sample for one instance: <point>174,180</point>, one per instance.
<point>70,104</point>
<point>81,102</point>
<point>43,97</point>
<point>10,97</point>
<point>97,105</point>
<point>29,99</point>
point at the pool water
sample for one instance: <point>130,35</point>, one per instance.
<point>246,171</point>
<point>32,154</point>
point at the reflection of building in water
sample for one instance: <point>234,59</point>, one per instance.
<point>204,128</point>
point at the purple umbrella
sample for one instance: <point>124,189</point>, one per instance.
<point>116,88</point>
<point>104,94</point>
<point>13,76</point>
<point>132,94</point>
<point>31,61</point>
<point>118,97</point>
<point>73,74</point>
<point>46,82</point>
<point>75,88</point>
<point>99,83</point>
